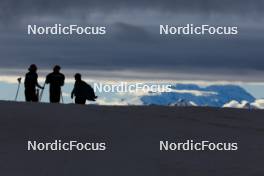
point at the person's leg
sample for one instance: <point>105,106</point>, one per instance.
<point>51,97</point>
<point>34,97</point>
<point>54,96</point>
<point>83,100</point>
<point>79,100</point>
<point>31,96</point>
<point>27,96</point>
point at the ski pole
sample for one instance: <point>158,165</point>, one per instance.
<point>62,98</point>
<point>18,87</point>
<point>41,93</point>
<point>37,95</point>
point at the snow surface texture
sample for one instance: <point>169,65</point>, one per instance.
<point>132,134</point>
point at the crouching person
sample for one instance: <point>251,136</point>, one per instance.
<point>82,91</point>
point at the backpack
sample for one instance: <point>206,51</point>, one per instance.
<point>86,91</point>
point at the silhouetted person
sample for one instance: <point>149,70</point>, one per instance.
<point>31,82</point>
<point>82,91</point>
<point>55,80</point>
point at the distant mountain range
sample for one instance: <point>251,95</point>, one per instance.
<point>191,94</point>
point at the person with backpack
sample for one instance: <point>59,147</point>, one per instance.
<point>82,91</point>
<point>56,81</point>
<point>31,82</point>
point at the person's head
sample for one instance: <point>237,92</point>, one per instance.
<point>78,77</point>
<point>33,68</point>
<point>56,69</point>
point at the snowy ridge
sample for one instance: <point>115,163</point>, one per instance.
<point>183,103</point>
<point>258,104</point>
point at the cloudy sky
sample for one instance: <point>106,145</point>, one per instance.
<point>133,44</point>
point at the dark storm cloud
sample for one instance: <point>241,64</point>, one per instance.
<point>132,51</point>
<point>14,9</point>
<point>132,43</point>
<point>132,33</point>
